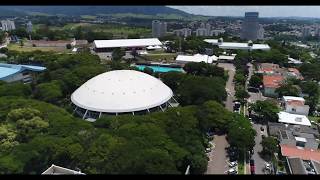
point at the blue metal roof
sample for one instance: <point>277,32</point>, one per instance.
<point>10,69</point>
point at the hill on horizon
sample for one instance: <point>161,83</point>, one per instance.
<point>90,10</point>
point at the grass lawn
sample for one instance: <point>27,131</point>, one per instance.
<point>17,47</point>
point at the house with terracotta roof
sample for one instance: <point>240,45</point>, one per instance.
<point>271,83</point>
<point>294,73</point>
<point>267,68</point>
<point>295,105</point>
<point>301,160</point>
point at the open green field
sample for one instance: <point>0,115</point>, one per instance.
<point>17,47</point>
<point>88,17</point>
<point>117,30</point>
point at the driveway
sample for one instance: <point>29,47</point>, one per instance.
<point>217,163</point>
<point>229,85</point>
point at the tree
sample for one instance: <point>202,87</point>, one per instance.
<point>212,115</point>
<point>195,90</point>
<point>241,93</point>
<point>49,92</point>
<point>15,89</point>
<point>148,70</point>
<point>117,54</point>
<point>203,69</point>
<point>68,46</point>
<point>240,133</point>
<point>134,36</point>
<point>21,43</point>
<point>255,81</point>
<point>269,145</point>
<point>3,50</point>
<point>266,110</point>
<point>172,79</point>
<point>287,89</point>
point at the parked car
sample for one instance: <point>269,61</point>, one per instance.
<point>232,171</point>
<point>233,164</point>
<point>261,128</point>
<point>208,150</point>
<point>252,166</point>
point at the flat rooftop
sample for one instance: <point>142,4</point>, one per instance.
<point>127,43</point>
<point>289,118</point>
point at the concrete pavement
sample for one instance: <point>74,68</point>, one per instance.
<point>259,162</point>
<point>217,158</point>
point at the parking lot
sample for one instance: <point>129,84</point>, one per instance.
<point>217,163</point>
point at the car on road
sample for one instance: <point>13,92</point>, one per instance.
<point>252,166</point>
<point>233,164</point>
<point>208,150</point>
<point>232,171</point>
<point>261,128</point>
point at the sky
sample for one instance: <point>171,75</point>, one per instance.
<point>264,11</point>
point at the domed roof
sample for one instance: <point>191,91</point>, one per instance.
<point>121,91</point>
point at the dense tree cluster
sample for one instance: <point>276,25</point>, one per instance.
<point>203,69</point>
<point>266,110</point>
<point>195,90</point>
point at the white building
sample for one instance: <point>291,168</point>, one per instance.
<point>8,25</point>
<point>183,59</point>
<point>201,32</point>
<point>29,27</point>
<point>121,92</point>
<point>159,28</point>
<point>185,32</point>
<point>57,170</point>
<point>288,118</point>
<point>295,105</point>
<point>108,45</point>
<point>208,28</point>
<point>216,32</point>
<point>306,31</point>
<point>261,32</point>
<point>235,45</point>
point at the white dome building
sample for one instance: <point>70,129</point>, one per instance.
<point>121,92</point>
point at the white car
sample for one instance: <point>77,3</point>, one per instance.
<point>233,164</point>
<point>232,171</point>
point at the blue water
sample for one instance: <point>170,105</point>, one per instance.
<point>159,68</point>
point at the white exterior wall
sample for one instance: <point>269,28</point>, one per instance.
<point>303,110</point>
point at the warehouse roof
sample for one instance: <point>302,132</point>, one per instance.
<point>126,43</point>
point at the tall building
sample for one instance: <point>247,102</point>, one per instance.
<point>202,25</point>
<point>29,27</point>
<point>185,32</point>
<point>208,28</point>
<point>306,31</point>
<point>201,32</point>
<point>159,28</point>
<point>250,26</point>
<point>7,25</point>
<point>261,32</point>
<point>317,31</point>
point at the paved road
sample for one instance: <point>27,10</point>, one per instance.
<point>229,85</point>
<point>218,157</point>
<point>259,162</point>
<point>217,163</point>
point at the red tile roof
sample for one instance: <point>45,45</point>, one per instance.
<point>305,154</point>
<point>296,103</point>
<point>273,81</point>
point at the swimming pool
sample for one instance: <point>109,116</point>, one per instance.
<point>159,68</point>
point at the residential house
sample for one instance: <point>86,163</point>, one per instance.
<point>295,105</point>
<point>271,83</point>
